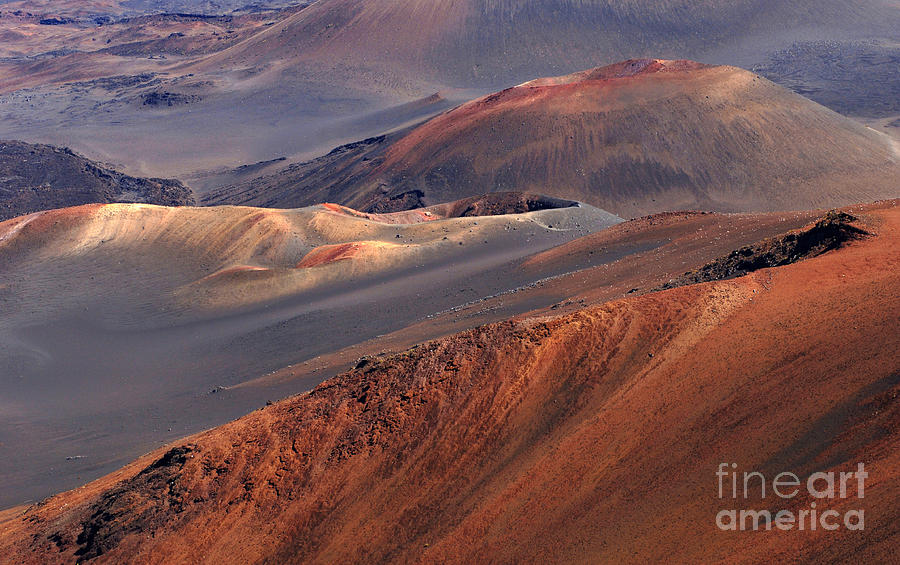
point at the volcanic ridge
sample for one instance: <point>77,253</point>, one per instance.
<point>591,436</point>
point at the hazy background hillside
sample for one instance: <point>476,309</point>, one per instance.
<point>260,82</point>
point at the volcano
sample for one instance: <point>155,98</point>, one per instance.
<point>638,137</point>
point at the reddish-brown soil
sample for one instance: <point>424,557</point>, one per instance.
<point>592,437</point>
<point>329,254</point>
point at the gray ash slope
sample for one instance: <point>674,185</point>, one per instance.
<point>855,78</point>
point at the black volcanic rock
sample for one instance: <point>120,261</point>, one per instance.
<point>168,99</point>
<point>42,177</point>
<point>831,232</point>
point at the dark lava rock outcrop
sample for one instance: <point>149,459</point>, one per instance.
<point>43,177</point>
<point>831,232</point>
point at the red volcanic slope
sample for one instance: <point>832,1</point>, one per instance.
<point>329,254</point>
<point>640,137</point>
<point>623,69</point>
<point>589,437</point>
<point>635,138</point>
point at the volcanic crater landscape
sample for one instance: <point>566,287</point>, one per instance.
<point>395,281</point>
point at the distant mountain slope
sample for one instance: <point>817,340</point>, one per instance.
<point>42,177</point>
<point>298,81</point>
<point>637,137</point>
<point>592,437</point>
<point>494,42</point>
